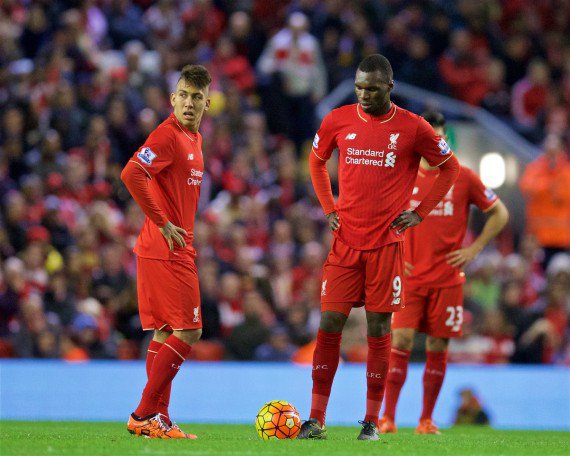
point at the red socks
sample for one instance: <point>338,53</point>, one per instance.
<point>434,374</point>
<point>376,373</point>
<point>325,363</point>
<point>164,401</point>
<point>396,378</point>
<point>165,366</point>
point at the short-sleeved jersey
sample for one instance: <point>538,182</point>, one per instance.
<point>443,230</point>
<point>378,164</point>
<point>172,159</point>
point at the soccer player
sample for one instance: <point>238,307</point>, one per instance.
<point>434,280</point>
<point>164,178</point>
<point>380,146</point>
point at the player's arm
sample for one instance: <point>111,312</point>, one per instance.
<point>323,146</point>
<point>136,178</point>
<point>437,153</point>
<point>498,216</point>
<point>448,172</point>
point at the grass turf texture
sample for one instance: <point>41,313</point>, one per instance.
<point>80,438</point>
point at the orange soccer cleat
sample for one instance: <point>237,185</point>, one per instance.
<point>427,426</point>
<point>387,426</point>
<point>179,433</point>
<point>155,428</point>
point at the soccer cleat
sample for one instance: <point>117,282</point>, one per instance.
<point>178,433</point>
<point>153,427</point>
<point>369,431</point>
<point>310,429</point>
<point>427,426</point>
<point>387,426</point>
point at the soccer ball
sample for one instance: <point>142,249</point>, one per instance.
<point>278,420</point>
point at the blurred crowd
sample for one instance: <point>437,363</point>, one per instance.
<point>83,83</point>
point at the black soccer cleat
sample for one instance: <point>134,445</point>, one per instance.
<point>310,429</point>
<point>369,431</point>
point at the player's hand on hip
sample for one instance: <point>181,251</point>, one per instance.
<point>461,257</point>
<point>172,234</point>
<point>405,220</point>
<point>408,269</point>
<point>334,221</point>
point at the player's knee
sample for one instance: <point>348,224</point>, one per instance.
<point>332,321</point>
<point>403,340</point>
<point>189,336</point>
<point>436,344</point>
<point>379,324</point>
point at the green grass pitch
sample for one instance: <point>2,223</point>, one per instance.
<point>25,438</point>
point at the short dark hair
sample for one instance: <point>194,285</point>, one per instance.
<point>377,62</point>
<point>197,75</point>
<point>434,118</point>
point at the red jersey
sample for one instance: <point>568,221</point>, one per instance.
<point>172,159</point>
<point>443,230</point>
<point>378,164</point>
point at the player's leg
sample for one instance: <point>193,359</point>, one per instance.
<point>434,374</point>
<point>383,295</point>
<point>158,339</point>
<point>168,288</point>
<point>444,320</point>
<point>325,364</point>
<point>405,323</point>
<point>379,341</point>
<point>402,344</point>
<point>342,287</point>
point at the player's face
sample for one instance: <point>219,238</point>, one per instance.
<point>373,92</point>
<point>189,103</point>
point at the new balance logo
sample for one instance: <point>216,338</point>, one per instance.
<point>350,136</point>
<point>324,288</point>
<point>190,156</point>
<point>390,160</point>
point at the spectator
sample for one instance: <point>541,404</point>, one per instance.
<point>544,184</point>
<point>470,410</point>
<point>529,96</point>
<point>293,77</point>
<point>464,71</point>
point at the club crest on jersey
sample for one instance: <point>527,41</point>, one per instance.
<point>146,155</point>
<point>490,194</point>
<point>393,141</point>
<point>443,147</point>
<point>316,141</point>
<point>196,318</point>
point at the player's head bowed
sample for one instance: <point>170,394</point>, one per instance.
<point>373,84</point>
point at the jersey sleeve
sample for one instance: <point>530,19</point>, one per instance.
<point>430,145</point>
<point>325,139</point>
<point>156,153</point>
<point>483,197</point>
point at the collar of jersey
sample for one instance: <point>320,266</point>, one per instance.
<point>383,118</point>
<point>191,135</point>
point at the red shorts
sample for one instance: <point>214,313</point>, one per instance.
<point>352,278</point>
<point>438,312</point>
<point>168,294</point>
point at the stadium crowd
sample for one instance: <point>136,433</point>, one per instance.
<point>82,84</point>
